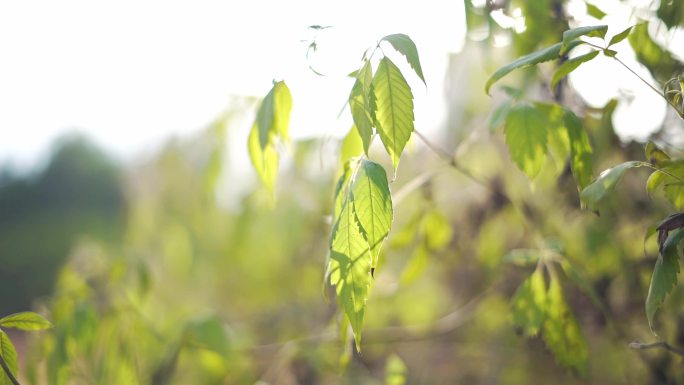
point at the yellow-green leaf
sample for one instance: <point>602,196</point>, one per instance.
<point>352,146</point>
<point>360,106</point>
<point>264,160</point>
<point>664,277</point>
<point>593,194</point>
<point>407,47</point>
<point>9,354</point>
<point>571,65</point>
<point>395,371</point>
<point>526,138</point>
<point>27,320</point>
<point>581,162</point>
<point>528,306</point>
<point>282,107</point>
<point>393,107</point>
<point>620,36</point>
<point>572,34</point>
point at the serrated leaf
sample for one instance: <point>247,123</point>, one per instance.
<point>526,138</point>
<point>546,54</point>
<point>9,354</point>
<point>395,371</point>
<point>264,160</point>
<point>407,47</point>
<point>522,257</point>
<point>528,306</point>
<point>574,33</point>
<point>581,163</point>
<point>360,105</point>
<point>372,205</point>
<point>595,11</point>
<point>561,332</point>
<point>619,37</point>
<point>393,107</point>
<point>25,321</point>
<point>664,277</point>
<point>571,65</point>
<point>352,146</point>
<point>593,194</point>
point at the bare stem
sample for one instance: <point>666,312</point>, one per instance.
<point>647,83</point>
<point>657,345</point>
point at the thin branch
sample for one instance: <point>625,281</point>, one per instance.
<point>7,370</point>
<point>657,345</point>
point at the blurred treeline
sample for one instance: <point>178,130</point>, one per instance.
<point>149,280</point>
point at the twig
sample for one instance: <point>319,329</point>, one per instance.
<point>657,345</point>
<point>7,370</point>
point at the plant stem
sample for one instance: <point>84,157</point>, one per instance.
<point>655,345</point>
<point>7,370</point>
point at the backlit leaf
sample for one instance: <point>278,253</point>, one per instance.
<point>9,354</point>
<point>25,321</point>
<point>528,306</point>
<point>664,276</point>
<point>393,106</point>
<point>282,103</point>
<point>264,160</point>
<point>597,190</point>
<point>395,371</point>
<point>571,65</point>
<point>352,146</point>
<point>595,11</point>
<point>359,104</point>
<point>581,162</point>
<point>620,36</point>
<point>572,34</point>
<point>526,138</point>
<point>407,47</point>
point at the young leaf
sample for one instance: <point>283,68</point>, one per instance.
<point>264,119</point>
<point>407,47</point>
<point>526,138</point>
<point>664,276</point>
<point>546,54</point>
<point>572,34</point>
<point>528,306</point>
<point>393,106</point>
<point>264,160</point>
<point>597,190</point>
<point>580,150</point>
<point>620,36</point>
<point>561,332</point>
<point>9,354</point>
<point>372,205</point>
<point>25,321</point>
<point>571,65</point>
<point>359,104</point>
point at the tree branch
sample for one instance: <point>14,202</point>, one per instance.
<point>657,345</point>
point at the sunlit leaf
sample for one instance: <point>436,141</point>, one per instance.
<point>360,105</point>
<point>528,306</point>
<point>571,65</point>
<point>264,160</point>
<point>282,107</point>
<point>657,59</point>
<point>581,162</point>
<point>372,205</point>
<point>25,321</point>
<point>523,257</point>
<point>526,138</point>
<point>264,119</point>
<point>562,333</point>
<point>557,135</point>
<point>595,11</point>
<point>498,116</point>
<point>9,354</point>
<point>574,33</point>
<point>352,146</point>
<point>655,155</point>
<point>606,182</point>
<point>620,36</point>
<point>664,276</point>
<point>670,177</point>
<point>393,106</point>
<point>395,371</point>
<point>407,47</point>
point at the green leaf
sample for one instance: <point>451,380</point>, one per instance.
<point>528,306</point>
<point>561,332</point>
<point>526,138</point>
<point>620,36</point>
<point>522,257</point>
<point>670,176</point>
<point>546,54</point>
<point>393,106</point>
<point>264,119</point>
<point>264,160</point>
<point>407,47</point>
<point>372,205</point>
<point>595,11</point>
<point>437,230</point>
<point>657,59</point>
<point>571,65</point>
<point>664,276</point>
<point>498,116</point>
<point>590,31</point>
<point>9,354</point>
<point>581,162</point>
<point>557,135</point>
<point>25,321</point>
<point>282,107</point>
<point>207,333</point>
<point>597,190</point>
<point>352,145</point>
<point>416,264</point>
<point>655,155</point>
<point>359,104</point>
<point>395,371</point>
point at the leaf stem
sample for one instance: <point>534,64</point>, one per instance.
<point>7,370</point>
<point>657,345</point>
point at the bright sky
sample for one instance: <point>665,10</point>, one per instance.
<point>131,73</point>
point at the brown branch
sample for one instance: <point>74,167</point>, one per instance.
<point>657,345</point>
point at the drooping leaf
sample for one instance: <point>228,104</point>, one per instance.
<point>571,65</point>
<point>574,33</point>
<point>605,183</point>
<point>620,36</point>
<point>581,162</point>
<point>523,257</point>
<point>393,107</point>
<point>557,135</point>
<point>282,107</point>
<point>360,105</point>
<point>664,276</point>
<point>595,11</point>
<point>395,371</point>
<point>528,306</point>
<point>561,332</point>
<point>27,320</point>
<point>498,116</point>
<point>9,354</point>
<point>264,119</point>
<point>546,54</point>
<point>526,138</point>
<point>407,47</point>
<point>372,205</point>
<point>352,146</point>
<point>264,160</point>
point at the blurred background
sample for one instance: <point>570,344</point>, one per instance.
<point>131,217</point>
